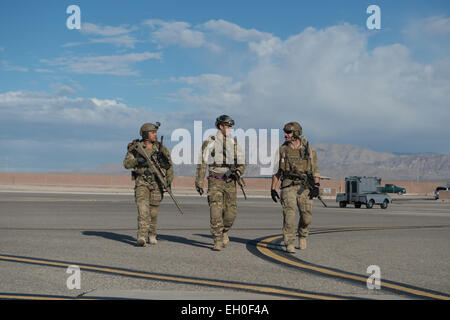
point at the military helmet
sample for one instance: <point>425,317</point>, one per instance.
<point>146,127</point>
<point>293,127</point>
<point>224,120</point>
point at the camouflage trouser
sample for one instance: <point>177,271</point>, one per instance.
<point>222,206</point>
<point>290,200</point>
<point>148,198</point>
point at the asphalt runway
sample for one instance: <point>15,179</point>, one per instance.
<point>42,234</point>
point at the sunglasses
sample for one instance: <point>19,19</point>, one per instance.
<point>288,131</point>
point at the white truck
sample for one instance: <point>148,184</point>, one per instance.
<point>363,190</point>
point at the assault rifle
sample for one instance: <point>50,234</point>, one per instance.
<point>310,184</point>
<point>155,168</point>
<point>240,181</point>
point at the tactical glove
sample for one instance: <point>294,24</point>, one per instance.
<point>235,175</point>
<point>200,190</point>
<point>314,193</point>
<point>274,195</point>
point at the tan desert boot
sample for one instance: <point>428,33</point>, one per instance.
<point>218,245</point>
<point>226,240</point>
<point>141,242</point>
<point>290,248</point>
<point>152,239</point>
<point>302,243</point>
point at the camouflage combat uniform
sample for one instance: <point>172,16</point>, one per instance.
<point>292,166</point>
<point>148,190</point>
<point>221,154</point>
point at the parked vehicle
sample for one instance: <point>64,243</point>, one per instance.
<point>363,190</point>
<point>436,192</point>
<point>392,188</point>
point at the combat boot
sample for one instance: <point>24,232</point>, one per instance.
<point>218,246</point>
<point>290,248</point>
<point>152,239</point>
<point>141,242</point>
<point>226,240</point>
<point>302,243</point>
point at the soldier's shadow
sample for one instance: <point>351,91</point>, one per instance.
<point>250,243</point>
<point>183,240</point>
<point>124,238</point>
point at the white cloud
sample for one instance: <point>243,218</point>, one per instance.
<point>42,130</point>
<point>125,41</point>
<point>73,44</point>
<point>117,36</point>
<point>208,80</point>
<point>436,25</point>
<point>428,38</point>
<point>38,110</point>
<point>121,41</point>
<point>42,70</point>
<point>266,47</point>
<point>62,89</point>
<point>113,65</point>
<point>7,66</point>
<point>105,31</point>
<point>330,82</point>
<point>183,34</point>
<point>235,32</point>
<point>430,27</point>
<point>327,79</point>
<point>209,90</point>
<point>203,35</point>
<point>41,107</point>
<point>178,33</point>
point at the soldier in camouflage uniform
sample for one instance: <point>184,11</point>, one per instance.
<point>223,155</point>
<point>295,158</point>
<point>148,190</point>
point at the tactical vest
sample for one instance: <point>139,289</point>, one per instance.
<point>144,171</point>
<point>295,163</point>
<point>224,154</point>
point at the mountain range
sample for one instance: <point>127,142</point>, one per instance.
<point>338,161</point>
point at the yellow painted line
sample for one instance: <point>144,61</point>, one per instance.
<point>376,228</point>
<point>36,297</point>
<point>31,297</point>
<point>261,289</point>
<point>262,247</point>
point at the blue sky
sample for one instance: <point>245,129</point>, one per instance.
<point>71,99</point>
